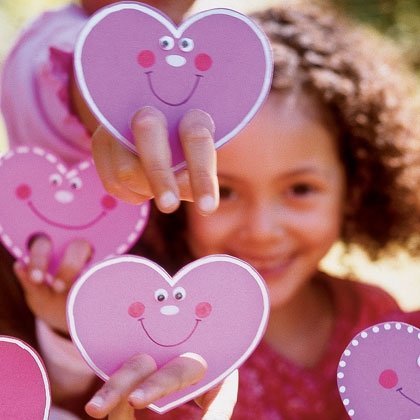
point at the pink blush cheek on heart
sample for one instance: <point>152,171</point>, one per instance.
<point>108,202</point>
<point>203,62</point>
<point>146,58</point>
<point>23,192</point>
<point>203,309</point>
<point>136,309</point>
<point>388,379</point>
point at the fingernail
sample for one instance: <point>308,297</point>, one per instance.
<point>168,200</point>
<point>137,395</point>
<point>37,276</point>
<point>146,112</point>
<point>207,204</point>
<point>59,286</point>
<point>97,401</point>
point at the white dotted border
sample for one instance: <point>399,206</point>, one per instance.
<point>80,167</point>
<point>386,326</point>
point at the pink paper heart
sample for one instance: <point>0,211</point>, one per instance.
<point>379,373</point>
<point>40,195</point>
<point>216,306</point>
<point>24,386</point>
<point>129,55</point>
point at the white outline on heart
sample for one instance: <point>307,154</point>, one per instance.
<point>171,280</point>
<point>375,329</point>
<point>40,364</point>
<point>68,173</point>
<point>177,33</point>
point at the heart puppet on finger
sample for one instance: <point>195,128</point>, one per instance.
<point>130,55</point>
<point>40,195</point>
<point>24,387</point>
<point>216,307</point>
<point>379,373</point>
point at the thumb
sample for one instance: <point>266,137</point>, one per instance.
<point>219,402</point>
<point>123,411</point>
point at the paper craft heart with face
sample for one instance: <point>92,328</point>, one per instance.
<point>379,373</point>
<point>216,307</point>
<point>40,195</point>
<point>24,387</point>
<point>129,56</point>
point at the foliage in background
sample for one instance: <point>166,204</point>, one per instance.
<point>398,19</point>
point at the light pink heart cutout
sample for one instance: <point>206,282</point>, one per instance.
<point>129,55</point>
<point>24,387</point>
<point>40,194</point>
<point>216,306</point>
<point>379,373</point>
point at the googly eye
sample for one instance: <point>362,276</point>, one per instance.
<point>179,293</point>
<point>166,43</point>
<point>161,295</point>
<point>186,44</point>
<point>76,183</point>
<point>56,179</point>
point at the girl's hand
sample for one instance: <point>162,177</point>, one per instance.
<point>136,178</point>
<point>139,383</point>
<point>46,295</point>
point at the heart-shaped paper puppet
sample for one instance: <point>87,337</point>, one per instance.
<point>129,55</point>
<point>24,387</point>
<point>216,306</point>
<point>40,195</point>
<point>379,373</point>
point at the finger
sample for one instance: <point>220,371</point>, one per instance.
<point>40,251</point>
<point>196,130</point>
<point>177,374</point>
<point>129,171</point>
<point>151,138</point>
<point>32,290</point>
<point>123,411</point>
<point>218,404</point>
<point>103,146</point>
<point>120,384</point>
<point>75,257</point>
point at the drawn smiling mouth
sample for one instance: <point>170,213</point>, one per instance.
<point>170,345</point>
<point>407,397</point>
<point>194,88</point>
<point>62,225</point>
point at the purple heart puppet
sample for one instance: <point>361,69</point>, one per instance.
<point>379,373</point>
<point>40,195</point>
<point>129,55</point>
<point>216,307</point>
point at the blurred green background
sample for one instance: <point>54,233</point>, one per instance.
<point>396,19</point>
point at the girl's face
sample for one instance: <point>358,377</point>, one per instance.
<point>174,9</point>
<point>281,196</point>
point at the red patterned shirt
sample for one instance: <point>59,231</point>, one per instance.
<point>273,388</point>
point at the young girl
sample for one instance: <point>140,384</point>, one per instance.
<point>329,157</point>
<point>332,156</point>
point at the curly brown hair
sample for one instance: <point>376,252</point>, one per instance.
<point>361,80</point>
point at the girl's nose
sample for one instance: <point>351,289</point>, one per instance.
<point>264,222</point>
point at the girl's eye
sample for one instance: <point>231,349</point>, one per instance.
<point>179,293</point>
<point>161,295</point>
<point>166,43</point>
<point>186,44</point>
<point>56,179</point>
<point>76,183</point>
<point>302,189</point>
